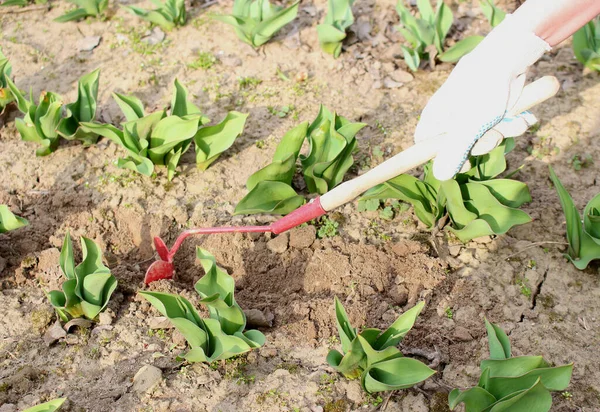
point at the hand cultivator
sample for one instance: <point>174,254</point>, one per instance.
<point>410,158</point>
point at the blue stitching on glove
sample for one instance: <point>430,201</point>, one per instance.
<point>478,136</point>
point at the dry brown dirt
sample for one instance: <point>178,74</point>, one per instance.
<point>378,268</point>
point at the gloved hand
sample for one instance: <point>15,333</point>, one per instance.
<point>480,91</point>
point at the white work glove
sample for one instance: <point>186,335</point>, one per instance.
<point>480,91</point>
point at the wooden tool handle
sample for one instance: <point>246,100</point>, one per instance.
<point>534,93</point>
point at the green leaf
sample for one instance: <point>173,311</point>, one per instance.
<point>394,374</point>
<point>67,261</point>
<point>180,105</point>
<point>213,140</point>
<point>465,46</point>
<point>494,14</point>
<point>396,332</point>
<point>475,399</point>
<point>554,379</point>
<point>511,193</point>
<point>330,39</point>
<point>591,218</point>
<point>270,197</point>
<point>268,27</point>
<point>443,22</point>
<point>537,398</point>
<point>82,110</point>
<point>345,330</point>
<point>582,247</point>
<point>216,289</point>
<point>498,341</point>
<point>49,406</point>
<point>76,14</point>
<point>284,160</point>
<point>512,366</point>
<point>131,106</point>
<point>9,221</point>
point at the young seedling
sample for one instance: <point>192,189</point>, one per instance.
<point>6,96</point>
<point>586,45</point>
<point>333,31</point>
<point>477,202</point>
<point>270,189</point>
<point>49,406</point>
<point>161,139</point>
<point>425,34</point>
<point>82,110</point>
<point>221,336</point>
<point>85,8</point>
<point>494,15</point>
<point>332,140</point>
<point>522,383</point>
<point>169,14</point>
<point>89,285</point>
<point>583,236</point>
<point>21,3</point>
<point>40,122</point>
<point>256,21</point>
<point>372,354</point>
<point>9,221</point>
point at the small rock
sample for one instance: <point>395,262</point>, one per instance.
<point>462,334</point>
<point>54,333</point>
<point>71,339</point>
<point>268,352</point>
<point>401,76</point>
<point>105,318</point>
<point>257,318</point>
<point>354,392</point>
<point>8,407</point>
<point>278,244</point>
<point>310,10</point>
<point>399,293</point>
<point>88,43</point>
<point>146,378</point>
<point>376,84</point>
<point>388,83</point>
<point>178,338</point>
<point>454,250</point>
<point>483,239</point>
<point>159,322</point>
<point>303,237</point>
<point>156,36</point>
<point>414,403</point>
<point>80,322</point>
<point>230,60</point>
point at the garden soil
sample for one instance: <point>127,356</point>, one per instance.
<point>377,267</point>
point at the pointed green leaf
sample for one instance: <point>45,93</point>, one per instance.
<point>270,197</point>
<point>9,221</point>
<point>213,140</point>
<point>394,374</point>
<point>498,341</point>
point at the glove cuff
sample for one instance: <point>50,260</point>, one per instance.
<point>512,45</point>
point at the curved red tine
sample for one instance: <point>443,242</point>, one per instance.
<point>161,249</point>
<point>159,270</point>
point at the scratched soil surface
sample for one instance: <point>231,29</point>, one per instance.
<point>378,267</point>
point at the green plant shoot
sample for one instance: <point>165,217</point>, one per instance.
<point>494,15</point>
<point>6,95</point>
<point>521,383</point>
<point>583,236</point>
<point>256,21</point>
<point>49,406</point>
<point>85,8</point>
<point>169,14</point>
<point>89,285</point>
<point>222,335</point>
<point>270,189</point>
<point>372,354</point>
<point>333,30</point>
<point>477,202</point>
<point>40,122</point>
<point>424,34</point>
<point>82,110</point>
<point>332,141</point>
<point>161,139</point>
<point>9,221</point>
<point>586,45</point>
